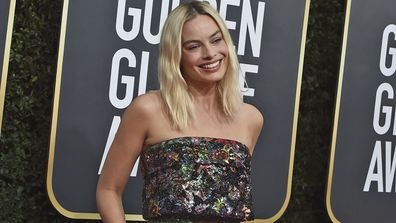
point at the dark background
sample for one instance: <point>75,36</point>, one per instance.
<point>85,113</point>
<point>27,114</point>
<point>356,135</point>
<point>4,11</point>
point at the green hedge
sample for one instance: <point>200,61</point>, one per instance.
<point>321,67</point>
<point>27,113</point>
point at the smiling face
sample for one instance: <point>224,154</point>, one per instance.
<point>204,52</point>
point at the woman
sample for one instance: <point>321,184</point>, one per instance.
<point>195,136</point>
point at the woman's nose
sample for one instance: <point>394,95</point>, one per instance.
<point>209,52</point>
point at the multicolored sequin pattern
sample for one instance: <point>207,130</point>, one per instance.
<point>197,178</point>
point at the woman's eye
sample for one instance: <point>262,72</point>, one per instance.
<point>192,47</point>
<point>217,40</point>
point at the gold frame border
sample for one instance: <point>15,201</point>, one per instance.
<point>137,217</point>
<point>337,112</point>
<point>6,58</point>
<point>50,191</point>
<point>295,120</point>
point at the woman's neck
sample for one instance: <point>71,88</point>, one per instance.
<point>205,97</point>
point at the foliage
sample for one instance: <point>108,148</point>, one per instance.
<point>27,113</point>
<point>321,64</point>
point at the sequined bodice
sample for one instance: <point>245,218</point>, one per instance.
<point>197,178</point>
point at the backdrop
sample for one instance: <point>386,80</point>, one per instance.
<point>361,185</point>
<point>7,8</point>
<point>107,56</point>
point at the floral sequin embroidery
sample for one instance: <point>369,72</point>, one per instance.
<point>197,178</point>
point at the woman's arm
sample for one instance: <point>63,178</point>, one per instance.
<point>255,122</point>
<point>123,153</point>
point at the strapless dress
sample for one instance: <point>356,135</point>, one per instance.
<point>197,179</point>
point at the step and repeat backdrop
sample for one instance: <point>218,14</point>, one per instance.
<point>362,183</point>
<point>108,56</point>
<point>7,8</point>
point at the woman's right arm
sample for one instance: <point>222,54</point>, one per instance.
<point>124,151</point>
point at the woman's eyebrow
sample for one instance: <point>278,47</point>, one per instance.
<point>215,33</point>
<point>193,41</point>
<point>189,41</point>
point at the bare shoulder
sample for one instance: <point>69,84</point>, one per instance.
<point>139,117</point>
<point>253,122</point>
<point>145,105</point>
<point>252,115</point>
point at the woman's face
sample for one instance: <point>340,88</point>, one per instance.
<point>204,52</point>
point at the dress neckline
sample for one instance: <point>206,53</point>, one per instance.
<point>207,138</point>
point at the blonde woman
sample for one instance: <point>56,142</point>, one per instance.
<point>195,135</point>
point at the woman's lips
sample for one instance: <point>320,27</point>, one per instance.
<point>211,66</point>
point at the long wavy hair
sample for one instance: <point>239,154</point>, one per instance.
<point>173,88</point>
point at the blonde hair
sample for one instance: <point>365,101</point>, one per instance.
<point>173,87</point>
